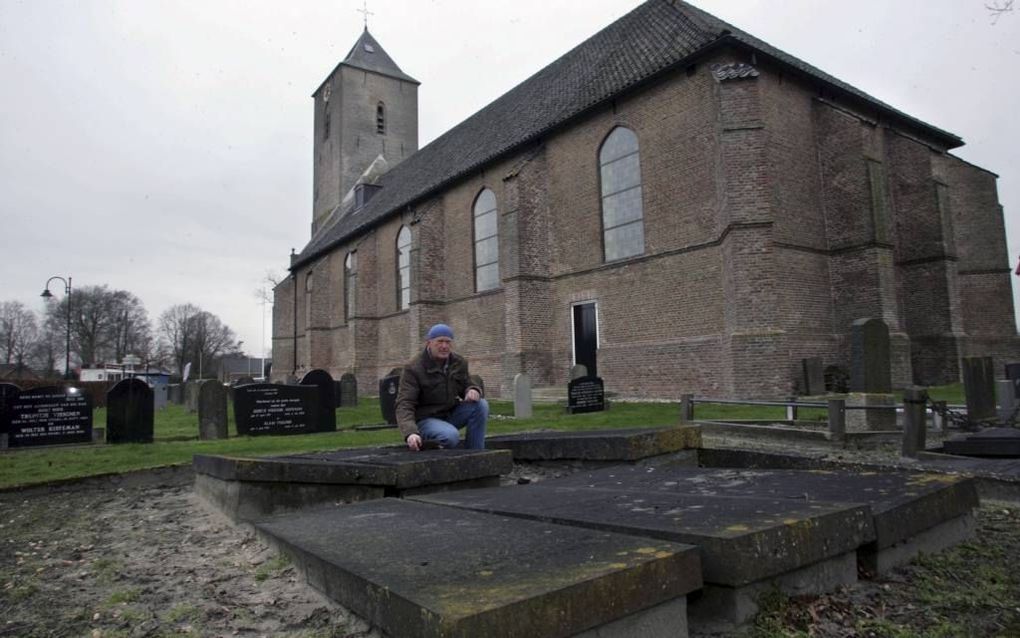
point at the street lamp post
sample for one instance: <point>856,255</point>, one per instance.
<point>46,294</point>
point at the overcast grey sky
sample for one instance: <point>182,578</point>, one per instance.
<point>165,147</point>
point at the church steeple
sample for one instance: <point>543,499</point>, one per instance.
<point>366,108</point>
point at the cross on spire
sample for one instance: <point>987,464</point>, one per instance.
<point>364,10</point>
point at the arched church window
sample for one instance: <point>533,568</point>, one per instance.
<point>380,118</point>
<point>623,233</point>
<point>404,268</point>
<point>350,284</point>
<point>486,241</point>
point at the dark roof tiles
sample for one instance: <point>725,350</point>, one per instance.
<point>655,36</point>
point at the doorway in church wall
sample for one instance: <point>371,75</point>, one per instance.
<point>585,331</point>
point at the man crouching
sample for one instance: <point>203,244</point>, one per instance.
<point>436,397</point>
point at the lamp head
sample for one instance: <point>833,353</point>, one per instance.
<point>46,294</point>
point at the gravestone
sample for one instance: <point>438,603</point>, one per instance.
<point>522,396</point>
<point>191,395</point>
<point>176,393</point>
<point>348,390</point>
<point>979,388</point>
<point>291,380</point>
<point>870,368</point>
<point>212,411</point>
<point>160,396</point>
<point>812,376</point>
<point>837,379</point>
<point>477,381</point>
<point>323,382</point>
<point>129,412</point>
<point>265,408</point>
<point>1013,374</point>
<point>242,381</point>
<point>388,388</point>
<point>577,371</point>
<point>47,416</point>
<point>586,394</point>
<point>8,392</point>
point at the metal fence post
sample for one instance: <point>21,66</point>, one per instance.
<point>915,421</point>
<point>686,408</point>
<point>837,420</point>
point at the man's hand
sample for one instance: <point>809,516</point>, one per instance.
<point>472,395</point>
<point>414,442</point>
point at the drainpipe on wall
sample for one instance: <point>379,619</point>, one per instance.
<point>293,277</point>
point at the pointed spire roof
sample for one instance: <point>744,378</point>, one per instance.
<point>368,55</point>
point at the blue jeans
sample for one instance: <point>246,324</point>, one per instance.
<point>473,416</point>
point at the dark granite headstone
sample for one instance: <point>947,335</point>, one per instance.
<point>812,376</point>
<point>586,394</point>
<point>870,369</point>
<point>212,411</point>
<point>348,390</point>
<point>979,388</point>
<point>323,382</point>
<point>265,408</point>
<point>837,379</point>
<point>8,392</point>
<point>388,388</point>
<point>129,412</point>
<point>1013,374</point>
<point>48,416</point>
<point>474,379</point>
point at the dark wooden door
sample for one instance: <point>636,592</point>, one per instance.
<point>585,337</point>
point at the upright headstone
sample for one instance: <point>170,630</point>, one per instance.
<point>812,376</point>
<point>388,388</point>
<point>212,411</point>
<point>1006,399</point>
<point>323,382</point>
<point>870,360</point>
<point>476,380</point>
<point>265,408</point>
<point>586,394</point>
<point>176,393</point>
<point>578,370</point>
<point>160,396</point>
<point>48,416</point>
<point>522,396</point>
<point>8,392</point>
<point>979,387</point>
<point>129,412</point>
<point>242,381</point>
<point>348,390</point>
<point>191,395</point>
<point>1013,374</point>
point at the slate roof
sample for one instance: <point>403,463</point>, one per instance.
<point>656,36</point>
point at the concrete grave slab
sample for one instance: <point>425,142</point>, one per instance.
<point>743,540</point>
<point>904,505</point>
<point>990,442</point>
<point>629,444</point>
<point>251,488</point>
<point>420,570</point>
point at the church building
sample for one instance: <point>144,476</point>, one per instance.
<point>674,203</point>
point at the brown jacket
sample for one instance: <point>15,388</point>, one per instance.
<point>429,390</point>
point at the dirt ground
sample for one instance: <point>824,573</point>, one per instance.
<point>144,557</point>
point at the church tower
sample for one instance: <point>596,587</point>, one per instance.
<point>365,109</point>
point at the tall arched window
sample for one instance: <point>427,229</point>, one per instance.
<point>380,118</point>
<point>404,268</point>
<point>350,284</point>
<point>622,217</point>
<point>486,242</point>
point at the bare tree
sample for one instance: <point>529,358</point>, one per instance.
<point>105,324</point>
<point>189,334</point>
<point>999,8</point>
<point>18,332</point>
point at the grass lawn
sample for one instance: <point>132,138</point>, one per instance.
<point>176,435</point>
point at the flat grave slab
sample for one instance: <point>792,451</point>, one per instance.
<point>623,445</point>
<point>250,488</point>
<point>743,540</point>
<point>990,442</point>
<point>904,505</point>
<point>421,570</point>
